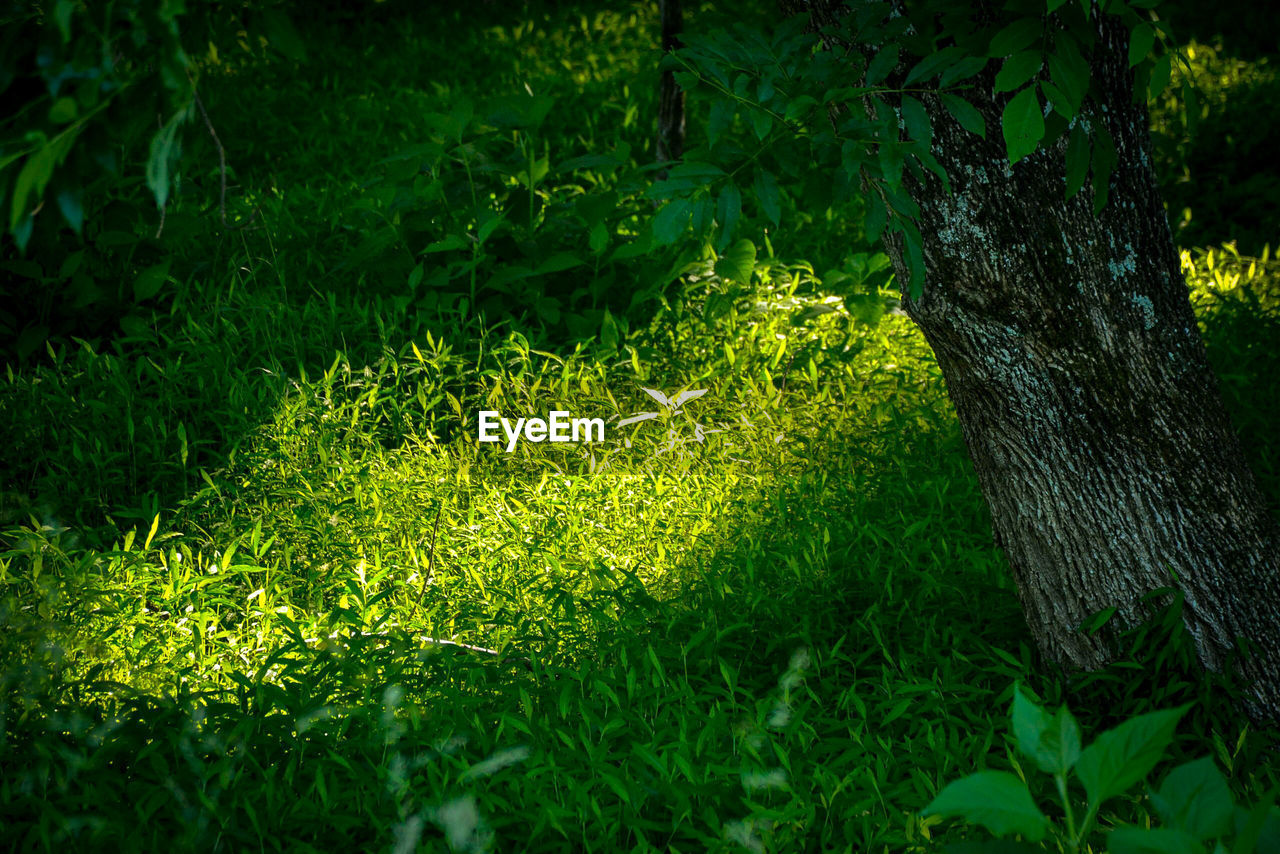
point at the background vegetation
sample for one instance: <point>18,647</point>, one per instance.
<point>260,586</point>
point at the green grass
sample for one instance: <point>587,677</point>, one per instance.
<point>262,589</point>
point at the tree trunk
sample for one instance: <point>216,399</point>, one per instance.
<point>1072,356</point>
<point>670,145</point>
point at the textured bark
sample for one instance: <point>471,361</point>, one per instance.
<point>1073,358</point>
<point>670,144</point>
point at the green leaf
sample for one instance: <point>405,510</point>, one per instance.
<point>32,180</point>
<point>609,333</point>
<point>1017,36</point>
<point>283,36</point>
<point>62,12</point>
<point>728,210</point>
<point>997,800</point>
<point>761,122</point>
<point>1151,840</point>
<point>1194,798</point>
<point>877,215</point>
<point>799,106</point>
<point>1018,69</point>
<point>1052,742</point>
<point>1023,124</point>
<point>150,281</point>
<point>720,118</point>
<point>671,221</point>
<point>558,262</point>
<point>1054,4</point>
<point>962,70</point>
<point>63,110</point>
<point>965,113</point>
<point>1120,757</point>
<point>934,63</point>
<point>71,204</point>
<point>915,257</point>
<point>766,187</point>
<point>1069,71</point>
<point>738,263</point>
<point>1258,829</point>
<point>1141,41</point>
<point>1077,159</point>
<point>451,242</point>
<point>164,151</point>
<point>882,64</point>
<point>917,121</point>
<point>892,157</point>
<point>1160,73</point>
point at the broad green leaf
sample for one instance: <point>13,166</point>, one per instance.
<point>71,204</point>
<point>728,210</point>
<point>558,262</point>
<point>1052,742</point>
<point>1023,124</point>
<point>702,212</point>
<point>1151,840</point>
<point>720,118</point>
<point>282,35</point>
<point>892,157</point>
<point>915,257</point>
<point>671,221</point>
<point>877,214</point>
<point>164,151</point>
<point>595,207</point>
<point>1053,5</point>
<point>1018,69</point>
<point>934,63</point>
<point>62,12</point>
<point>32,179</point>
<point>917,121</point>
<point>1120,757</point>
<point>150,281</point>
<point>1258,829</point>
<point>882,64</point>
<point>1054,97</point>
<point>1017,36</point>
<point>1159,79</point>
<point>766,187</point>
<point>1077,159</point>
<point>1069,70</point>
<point>1141,41</point>
<point>997,800</point>
<point>738,263</point>
<point>1194,798</point>
<point>966,114</point>
<point>452,241</point>
<point>962,70</point>
<point>799,106</point>
<point>63,110</point>
<point>761,122</point>
<point>1104,161</point>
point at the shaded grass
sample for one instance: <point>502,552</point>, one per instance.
<point>790,634</point>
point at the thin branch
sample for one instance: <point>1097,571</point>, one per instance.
<point>431,560</point>
<point>222,158</point>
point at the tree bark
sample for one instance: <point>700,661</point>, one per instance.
<point>670,144</point>
<point>1071,353</point>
